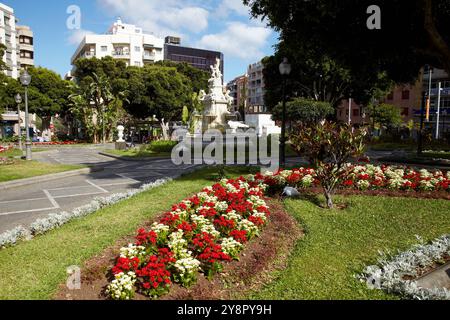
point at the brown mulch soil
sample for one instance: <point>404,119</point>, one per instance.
<point>260,258</point>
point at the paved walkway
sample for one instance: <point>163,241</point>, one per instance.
<point>23,205</point>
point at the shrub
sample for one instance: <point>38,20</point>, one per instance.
<point>162,146</point>
<point>328,147</point>
<point>305,110</point>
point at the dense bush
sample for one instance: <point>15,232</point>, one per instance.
<point>305,110</point>
<point>162,146</point>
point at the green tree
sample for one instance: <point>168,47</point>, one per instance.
<point>318,77</point>
<point>328,147</point>
<point>3,65</point>
<point>198,78</point>
<point>48,94</point>
<point>304,110</point>
<point>157,90</point>
<point>97,106</point>
<point>385,115</point>
<point>185,115</point>
<point>412,33</point>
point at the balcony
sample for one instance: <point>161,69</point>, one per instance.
<point>88,54</point>
<point>149,56</point>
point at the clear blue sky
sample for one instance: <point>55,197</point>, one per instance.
<point>223,25</point>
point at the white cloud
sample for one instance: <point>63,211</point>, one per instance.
<point>238,40</point>
<point>167,17</point>
<point>232,6</point>
<point>76,36</point>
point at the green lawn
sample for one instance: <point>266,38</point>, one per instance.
<point>437,155</point>
<point>33,270</point>
<point>21,169</point>
<point>340,243</point>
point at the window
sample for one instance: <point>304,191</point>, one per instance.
<point>104,48</point>
<point>390,96</point>
<point>137,49</point>
<point>405,94</point>
<point>405,112</point>
<point>356,112</point>
<point>137,63</point>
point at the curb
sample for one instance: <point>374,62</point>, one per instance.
<point>48,177</point>
<point>132,159</point>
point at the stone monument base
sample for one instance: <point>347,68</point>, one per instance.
<point>121,145</point>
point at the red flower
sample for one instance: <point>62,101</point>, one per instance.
<point>125,265</point>
<point>145,238</point>
<point>239,235</point>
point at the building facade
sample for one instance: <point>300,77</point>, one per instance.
<point>124,42</point>
<point>25,46</point>
<point>437,76</point>
<point>199,58</point>
<point>255,90</point>
<point>238,90</point>
<point>19,54</point>
<point>8,37</point>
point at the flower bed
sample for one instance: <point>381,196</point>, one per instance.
<point>55,143</point>
<point>364,177</point>
<point>5,148</point>
<point>197,235</point>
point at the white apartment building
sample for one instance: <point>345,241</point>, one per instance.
<point>8,37</point>
<point>256,114</point>
<point>122,41</point>
<point>255,88</point>
<point>25,46</point>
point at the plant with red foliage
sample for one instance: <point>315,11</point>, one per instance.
<point>154,275</point>
<point>125,265</point>
<point>145,238</point>
<point>224,226</point>
<point>211,259</point>
<point>239,236</point>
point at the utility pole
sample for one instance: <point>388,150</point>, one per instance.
<point>420,137</point>
<point>349,111</point>
<point>438,110</point>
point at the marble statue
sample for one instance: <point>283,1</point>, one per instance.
<point>120,130</point>
<point>216,102</point>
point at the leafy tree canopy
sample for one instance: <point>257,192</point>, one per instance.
<point>48,93</point>
<point>413,33</point>
<point>304,110</point>
<point>385,115</point>
<point>157,90</point>
<point>198,78</point>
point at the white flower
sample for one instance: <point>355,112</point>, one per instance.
<point>132,251</point>
<point>221,206</point>
<point>159,228</point>
<point>122,287</point>
<point>230,246</point>
<point>187,265</point>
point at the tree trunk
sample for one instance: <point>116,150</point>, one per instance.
<point>329,198</point>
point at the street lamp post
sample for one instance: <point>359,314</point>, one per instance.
<point>422,111</point>
<point>18,98</point>
<point>25,80</point>
<point>285,70</point>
